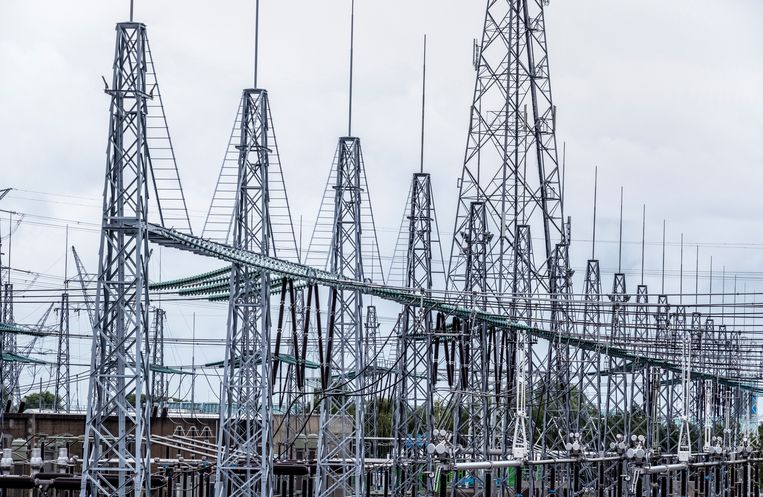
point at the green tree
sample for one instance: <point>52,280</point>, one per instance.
<point>131,398</point>
<point>383,408</point>
<point>44,400</point>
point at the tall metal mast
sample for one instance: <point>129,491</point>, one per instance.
<point>63,375</point>
<point>120,361</point>
<point>414,405</point>
<point>8,369</point>
<point>340,462</point>
<point>664,402</point>
<point>139,154</point>
<point>251,209</point>
<point>641,381</point>
<point>617,421</point>
<point>589,370</point>
<point>158,377</point>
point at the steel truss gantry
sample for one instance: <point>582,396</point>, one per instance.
<point>300,272</point>
<point>62,399</point>
<point>414,403</point>
<point>340,457</point>
<point>641,400</point>
<point>589,372</point>
<point>8,370</point>
<point>159,377</point>
<point>245,433</point>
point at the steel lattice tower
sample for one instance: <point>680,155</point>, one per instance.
<point>557,415</point>
<point>523,310</point>
<point>682,341</point>
<point>511,169</point>
<point>159,377</point>
<point>675,387</point>
<point>663,409</point>
<point>340,462</point>
<point>414,406</point>
<point>711,393</point>
<point>120,363</point>
<point>640,381</point>
<point>587,423</point>
<point>471,423</point>
<point>245,438</point>
<point>8,370</point>
<point>589,375</point>
<point>62,400</point>
<point>617,405</point>
<point>616,430</point>
<point>511,140</point>
<point>697,396</point>
<point>373,376</point>
<point>296,415</point>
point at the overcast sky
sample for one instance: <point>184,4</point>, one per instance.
<point>663,96</point>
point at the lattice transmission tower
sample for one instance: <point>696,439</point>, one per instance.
<point>120,361</point>
<point>159,377</point>
<point>414,403</point>
<point>340,461</point>
<point>63,359</point>
<point>245,433</point>
<point>8,369</point>
<point>511,162</point>
<point>510,189</point>
<point>116,457</point>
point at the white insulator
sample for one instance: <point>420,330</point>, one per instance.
<point>36,460</point>
<point>519,452</point>
<point>684,455</point>
<point>63,457</point>
<point>7,460</point>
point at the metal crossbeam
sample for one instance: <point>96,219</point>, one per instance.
<point>300,272</point>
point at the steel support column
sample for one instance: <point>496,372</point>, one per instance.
<point>245,433</point>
